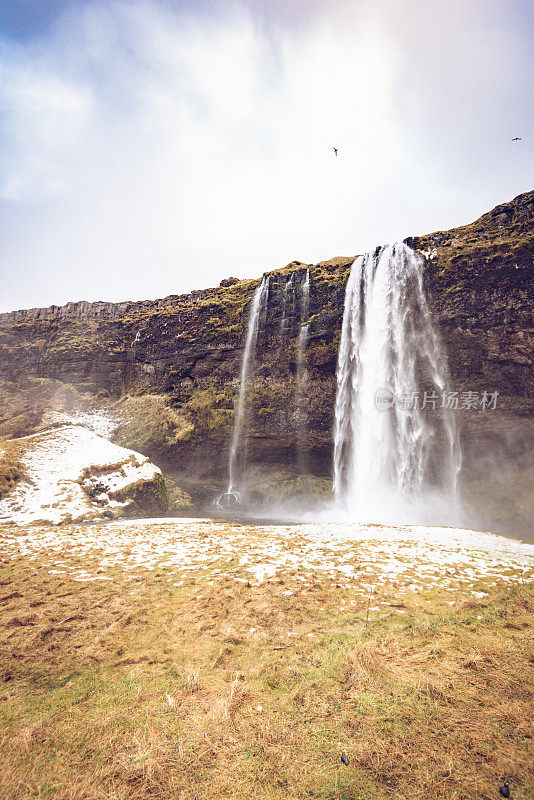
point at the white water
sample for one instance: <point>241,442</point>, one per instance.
<point>286,299</point>
<point>303,334</point>
<point>301,367</point>
<point>391,463</point>
<point>258,302</point>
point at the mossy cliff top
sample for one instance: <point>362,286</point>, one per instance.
<point>500,234</point>
<point>479,278</point>
<point>493,254</point>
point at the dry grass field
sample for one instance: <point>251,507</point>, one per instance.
<point>203,683</point>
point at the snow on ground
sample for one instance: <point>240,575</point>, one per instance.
<point>71,474</point>
<point>101,422</point>
<point>365,557</point>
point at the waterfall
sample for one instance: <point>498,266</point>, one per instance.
<point>301,366</point>
<point>389,450</point>
<point>288,289</point>
<point>304,314</point>
<point>253,326</point>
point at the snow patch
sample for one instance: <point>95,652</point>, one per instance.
<point>70,474</point>
<point>410,558</point>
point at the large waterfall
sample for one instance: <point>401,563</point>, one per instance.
<point>253,325</point>
<point>395,442</point>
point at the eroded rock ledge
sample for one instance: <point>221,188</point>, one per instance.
<point>69,474</point>
<point>186,349</point>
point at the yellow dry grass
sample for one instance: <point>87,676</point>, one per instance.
<point>130,690</point>
<point>10,469</point>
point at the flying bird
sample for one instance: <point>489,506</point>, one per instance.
<point>335,150</point>
<point>517,139</point>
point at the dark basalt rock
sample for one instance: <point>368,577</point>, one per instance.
<point>147,497</point>
<point>480,281</point>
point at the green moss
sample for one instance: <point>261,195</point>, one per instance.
<point>149,424</point>
<point>210,408</point>
<point>321,352</point>
<point>268,398</point>
<point>448,294</point>
<point>495,250</point>
<point>280,484</point>
<point>147,497</point>
<point>180,501</point>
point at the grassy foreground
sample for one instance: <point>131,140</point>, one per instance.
<point>134,688</point>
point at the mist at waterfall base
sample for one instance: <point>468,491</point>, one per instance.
<point>394,462</point>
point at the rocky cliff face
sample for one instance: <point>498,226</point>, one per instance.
<point>479,278</point>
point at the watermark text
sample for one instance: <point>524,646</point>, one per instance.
<point>448,400</point>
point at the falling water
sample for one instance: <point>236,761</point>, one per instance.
<point>286,299</point>
<point>388,451</point>
<point>253,325</point>
<point>304,314</point>
<point>301,365</point>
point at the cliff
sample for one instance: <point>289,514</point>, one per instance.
<point>188,348</point>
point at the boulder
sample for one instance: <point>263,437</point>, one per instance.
<point>70,474</point>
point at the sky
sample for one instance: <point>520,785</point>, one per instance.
<point>152,147</point>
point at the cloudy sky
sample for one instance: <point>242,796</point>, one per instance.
<point>149,147</point>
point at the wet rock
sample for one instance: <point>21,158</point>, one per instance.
<point>186,350</point>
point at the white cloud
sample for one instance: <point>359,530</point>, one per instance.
<point>44,117</point>
<point>150,151</point>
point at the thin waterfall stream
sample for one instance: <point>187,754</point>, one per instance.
<point>301,370</point>
<point>247,364</point>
